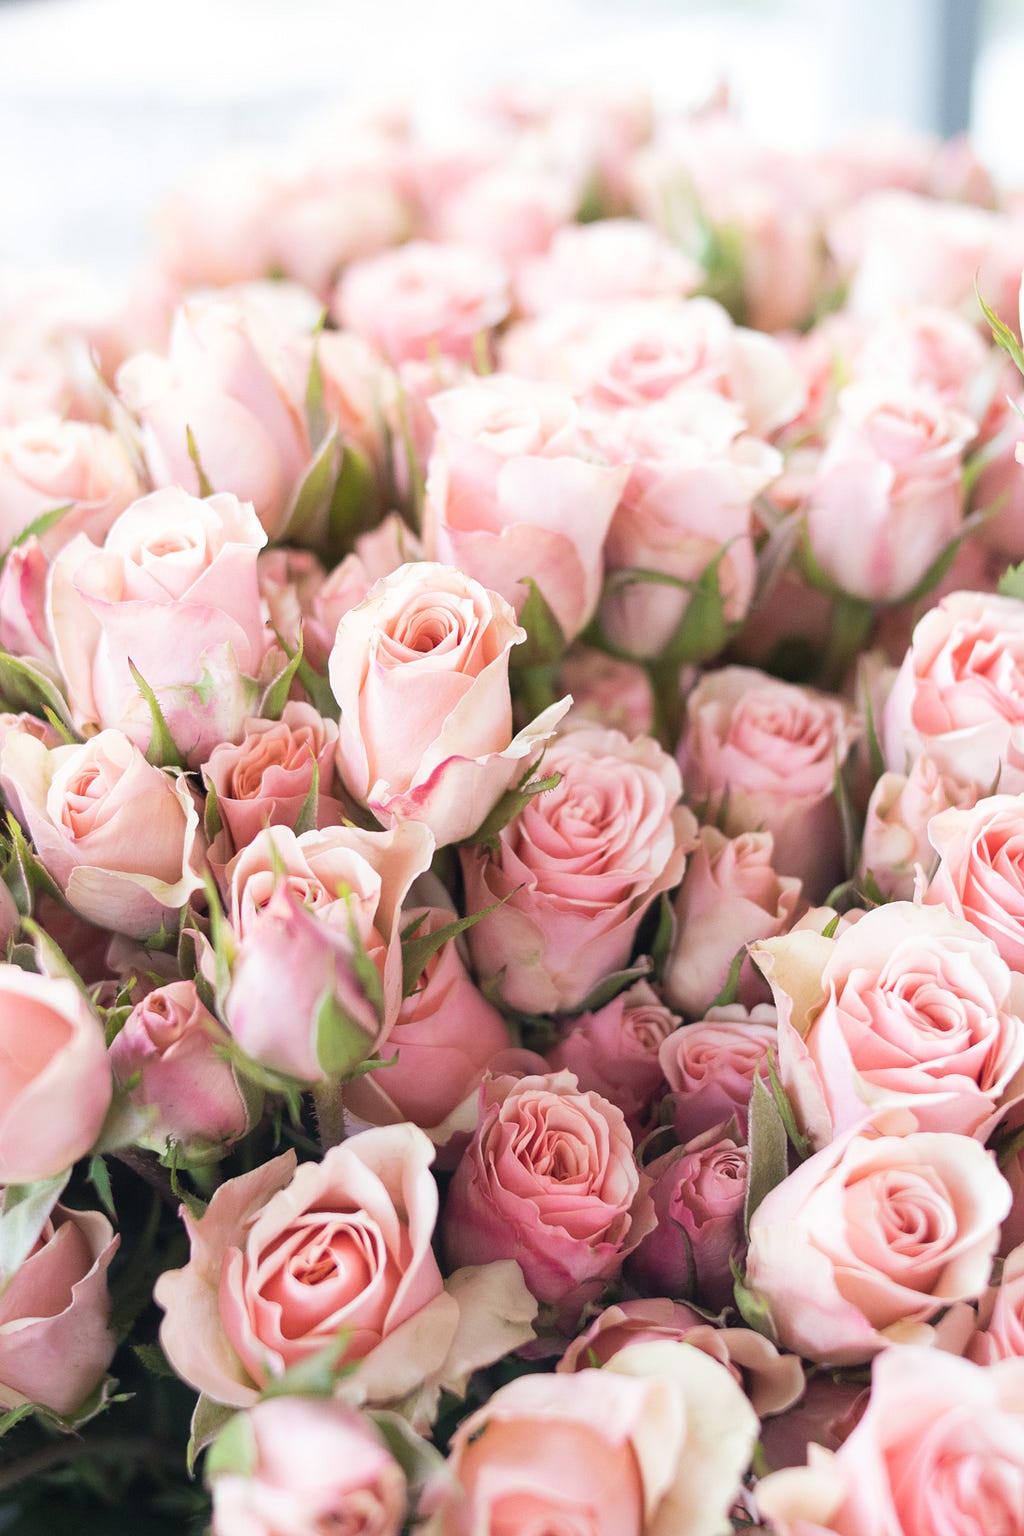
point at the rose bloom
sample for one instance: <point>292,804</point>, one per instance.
<point>897,825</point>
<point>310,1465</point>
<point>869,1239</point>
<point>56,1087</point>
<point>654,1444</point>
<point>602,263</point>
<point>710,1066</point>
<point>910,1011</point>
<point>424,297</point>
<point>772,1381</point>
<point>288,1258</point>
<point>980,874</point>
<point>614,1050</point>
<point>606,691</point>
<point>55,1337</point>
<point>959,695</point>
<point>24,630</point>
<point>764,754</point>
<point>939,1452</point>
<point>172,592</point>
<point>577,869</point>
<point>48,463</point>
<point>511,493</point>
<point>171,1049</point>
<point>120,837</point>
<point>730,896</point>
<point>550,1179</point>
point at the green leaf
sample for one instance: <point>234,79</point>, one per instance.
<point>545,643</point>
<point>875,757</point>
<point>731,989</point>
<point>353,502</point>
<point>847,818</point>
<point>1002,335</point>
<point>801,1145</point>
<point>234,1451</point>
<point>769,1144</point>
<point>1011,582</point>
<point>37,527</point>
<point>275,696</point>
<point>309,810</point>
<point>205,488</point>
<point>702,632</point>
<point>99,1178</point>
<point>829,930</point>
<point>317,423</point>
<point>25,686</point>
<point>208,1419</point>
<point>664,934</point>
<point>24,1211</point>
<point>14,1416</point>
<point>152,1357</point>
<point>610,986</point>
<point>510,805</point>
<point>24,874</point>
<point>162,751</point>
<point>417,952</point>
<point>212,821</point>
<point>316,1376</point>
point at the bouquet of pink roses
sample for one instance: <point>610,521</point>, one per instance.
<point>512,995</point>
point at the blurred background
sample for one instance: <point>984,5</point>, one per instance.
<point>105,104</point>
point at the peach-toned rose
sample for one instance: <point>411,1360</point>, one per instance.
<point>120,837</point>
<point>420,670</point>
<point>172,592</point>
<point>871,1238</point>
<point>285,1259</point>
<point>896,828</point>
<point>56,1086</point>
<point>55,1337</point>
<point>710,1066</point>
<point>980,875</point>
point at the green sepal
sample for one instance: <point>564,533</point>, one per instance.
<point>512,802</point>
<point>545,642</point>
<point>341,1041</point>
<point>730,991</point>
<point>99,1178</point>
<point>1002,335</point>
<point>316,1376</point>
<point>752,1307</point>
<point>275,695</point>
<point>37,527</point>
<point>419,950</point>
<point>25,687</point>
<point>205,488</point>
<point>769,1144</point>
<point>234,1451</point>
<point>307,818</point>
<point>353,502</point>
<point>1011,582</point>
<point>801,1144</point>
<point>162,751</point>
<point>24,1211</point>
<point>208,1419</point>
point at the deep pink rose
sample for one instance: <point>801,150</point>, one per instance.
<point>577,869</point>
<point>172,592</point>
<point>871,1238</point>
<point>549,1177</point>
<point>55,1337</point>
<point>710,1066</point>
<point>420,670</point>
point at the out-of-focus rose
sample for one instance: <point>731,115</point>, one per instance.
<point>652,1445</point>
<point>24,630</point>
<point>614,1051</point>
<point>602,263</point>
<point>698,1194</point>
<point>1000,1334</point>
<point>909,1013</point>
<point>309,1465</point>
<point>56,1085</point>
<point>710,1066</point>
<point>265,779</point>
<point>938,1452</point>
<point>376,554</point>
<point>55,1338</point>
<point>729,897</point>
<point>285,1259</point>
<point>445,1035</point>
<point>549,1177</point>
<point>980,875</point>
<point>511,495</point>
<point>173,593</point>
<point>607,691</point>
<point>577,869</point>
<point>120,837</point>
<point>170,1049</point>
<point>424,297</point>
<point>511,209</point>
<point>420,670</point>
<point>869,1239</point>
<point>771,1381</point>
<point>896,829</point>
<point>959,695</point>
<point>47,464</point>
<point>764,754</point>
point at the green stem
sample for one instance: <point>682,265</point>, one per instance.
<point>535,689</point>
<point>71,1448</point>
<point>668,703</point>
<point>852,623</point>
<point>330,1114</point>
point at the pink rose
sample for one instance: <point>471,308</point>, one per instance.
<point>654,1444</point>
<point>710,1066</point>
<point>909,1013</point>
<point>55,1336</point>
<point>764,754</point>
<point>266,778</point>
<point>285,1259</point>
<point>868,1240</point>
<point>894,460</point>
<point>24,629</point>
<point>577,869</point>
<point>511,494</point>
<point>607,691</point>
<point>46,464</point>
<point>171,1049</point>
<point>120,837</point>
<point>550,1178</point>
<point>698,1192</point>
<point>959,695</point>
<point>511,209</point>
<point>771,1381</point>
<point>729,897</point>
<point>444,1037</point>
<point>1000,1334</point>
<point>979,875</point>
<point>939,1452</point>
<point>376,554</point>
<point>422,298</point>
<point>173,591</point>
<point>896,829</point>
<point>420,670</point>
<point>307,1465</point>
<point>614,1050</point>
<point>602,263</point>
<point>56,1087</point>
